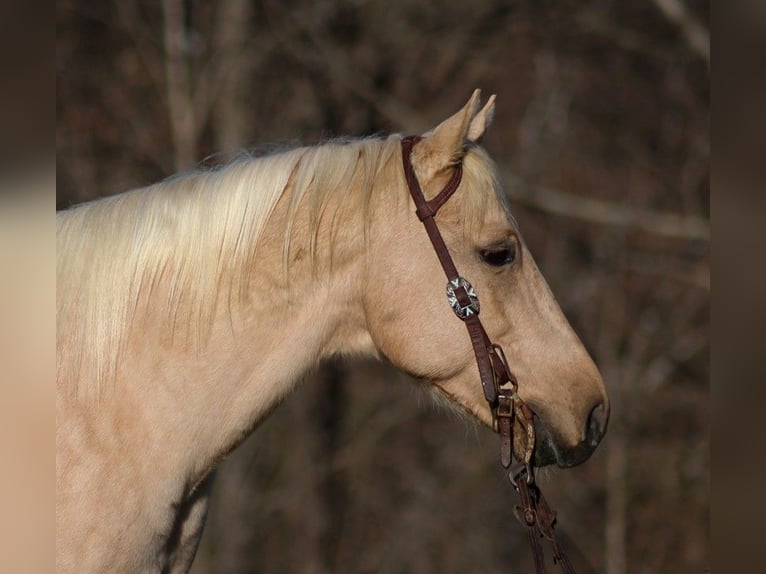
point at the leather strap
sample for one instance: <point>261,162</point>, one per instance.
<point>426,210</point>
<point>498,382</point>
<point>527,514</point>
<point>540,520</point>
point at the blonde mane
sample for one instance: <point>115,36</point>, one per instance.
<point>198,232</point>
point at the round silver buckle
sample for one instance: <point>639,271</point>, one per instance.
<point>462,298</point>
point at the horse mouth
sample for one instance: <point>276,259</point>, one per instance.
<point>547,452</point>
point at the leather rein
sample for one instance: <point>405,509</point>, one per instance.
<point>498,382</point>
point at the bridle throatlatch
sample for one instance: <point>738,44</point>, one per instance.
<point>498,382</point>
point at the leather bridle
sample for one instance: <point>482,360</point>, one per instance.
<point>498,382</point>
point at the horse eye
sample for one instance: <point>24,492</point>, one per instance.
<point>498,256</point>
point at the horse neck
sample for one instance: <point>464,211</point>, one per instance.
<point>206,398</point>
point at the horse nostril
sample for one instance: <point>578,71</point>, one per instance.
<point>597,421</point>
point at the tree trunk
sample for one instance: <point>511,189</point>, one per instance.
<point>184,132</point>
<point>231,116</point>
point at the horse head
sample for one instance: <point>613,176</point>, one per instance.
<point>412,325</point>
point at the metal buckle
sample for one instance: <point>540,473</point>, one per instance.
<point>521,470</point>
<point>462,298</point>
<point>504,406</point>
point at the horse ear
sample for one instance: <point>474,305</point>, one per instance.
<point>481,121</point>
<point>444,146</point>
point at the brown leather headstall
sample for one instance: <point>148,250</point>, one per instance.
<point>498,382</point>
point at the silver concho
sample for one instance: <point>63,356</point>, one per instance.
<point>460,311</point>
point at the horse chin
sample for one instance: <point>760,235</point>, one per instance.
<point>545,450</point>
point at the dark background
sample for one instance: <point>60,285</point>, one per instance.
<point>602,136</point>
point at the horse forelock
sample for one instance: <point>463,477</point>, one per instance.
<point>197,233</point>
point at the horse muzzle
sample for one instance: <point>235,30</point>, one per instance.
<point>550,450</point>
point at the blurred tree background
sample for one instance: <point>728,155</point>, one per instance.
<point>601,134</point>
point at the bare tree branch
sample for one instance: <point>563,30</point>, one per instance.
<point>660,370</point>
<point>689,227</point>
<point>670,225</point>
<point>143,41</point>
<point>696,36</point>
<point>597,22</point>
<point>696,274</point>
<point>326,57</point>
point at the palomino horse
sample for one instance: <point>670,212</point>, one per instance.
<point>189,309</point>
